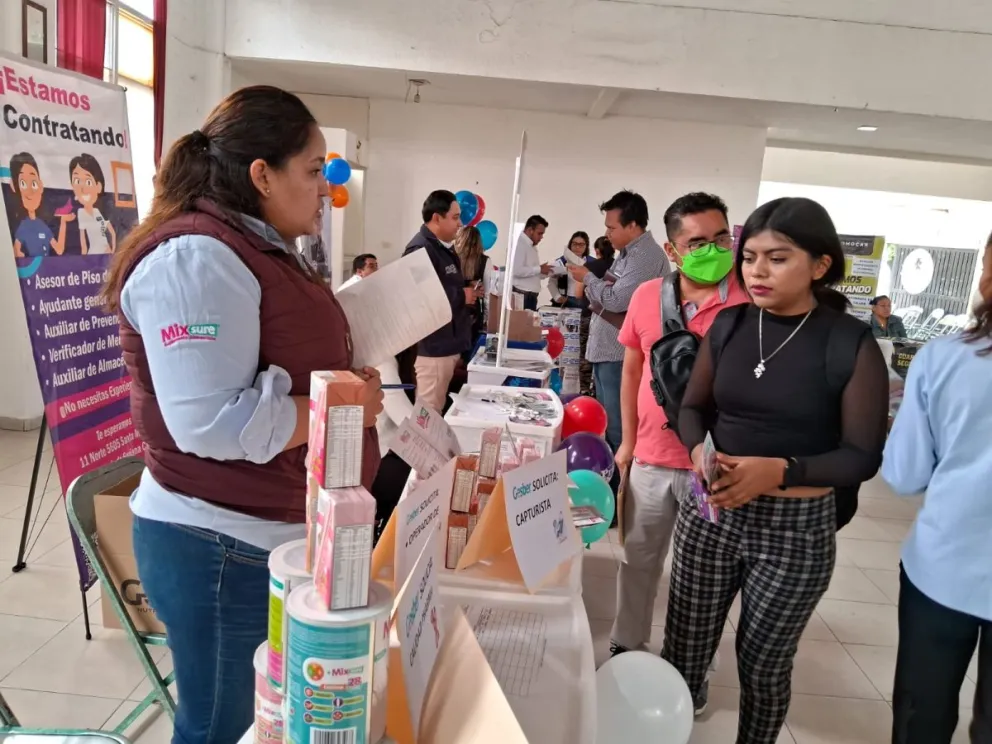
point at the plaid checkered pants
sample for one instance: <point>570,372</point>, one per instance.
<point>779,554</point>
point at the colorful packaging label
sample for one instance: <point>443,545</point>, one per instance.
<point>277,609</point>
<point>269,726</point>
<point>329,676</point>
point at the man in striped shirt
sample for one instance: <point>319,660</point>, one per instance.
<point>639,258</point>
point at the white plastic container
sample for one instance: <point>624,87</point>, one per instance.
<point>540,649</point>
<point>527,363</point>
<point>470,415</point>
<point>287,570</point>
<point>336,667</point>
<point>268,727</point>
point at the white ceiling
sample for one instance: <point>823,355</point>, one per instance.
<point>793,125</point>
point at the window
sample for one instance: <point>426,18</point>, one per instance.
<point>135,73</point>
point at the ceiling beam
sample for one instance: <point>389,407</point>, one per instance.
<point>603,103</point>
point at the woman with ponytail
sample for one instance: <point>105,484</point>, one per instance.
<point>795,396</point>
<point>221,324</point>
<point>939,446</point>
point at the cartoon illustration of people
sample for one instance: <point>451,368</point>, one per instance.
<point>33,237</point>
<point>96,233</point>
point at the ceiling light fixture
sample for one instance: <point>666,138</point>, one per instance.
<point>867,128</point>
<point>415,83</point>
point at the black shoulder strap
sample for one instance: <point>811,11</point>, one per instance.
<point>671,305</point>
<point>723,327</point>
<point>842,351</point>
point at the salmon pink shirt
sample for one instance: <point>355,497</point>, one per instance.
<point>657,445</point>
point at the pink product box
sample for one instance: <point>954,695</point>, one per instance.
<point>344,556</point>
<point>334,455</point>
<point>489,452</point>
<point>706,510</point>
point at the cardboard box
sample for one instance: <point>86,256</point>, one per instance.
<point>336,429</point>
<point>113,530</point>
<point>524,325</point>
<point>344,555</point>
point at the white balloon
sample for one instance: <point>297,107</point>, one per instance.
<point>642,699</point>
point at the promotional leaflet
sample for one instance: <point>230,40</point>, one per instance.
<point>69,200</point>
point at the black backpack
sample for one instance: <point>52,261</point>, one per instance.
<point>842,353</point>
<point>673,355</point>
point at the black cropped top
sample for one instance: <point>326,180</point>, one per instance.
<point>835,432</point>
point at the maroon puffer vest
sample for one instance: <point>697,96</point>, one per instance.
<point>303,328</point>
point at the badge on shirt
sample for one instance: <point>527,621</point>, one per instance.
<point>177,333</point>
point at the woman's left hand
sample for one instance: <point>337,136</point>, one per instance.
<point>746,478</point>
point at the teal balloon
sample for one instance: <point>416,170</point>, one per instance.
<point>469,205</point>
<point>337,171</point>
<point>488,233</point>
<point>592,490</point>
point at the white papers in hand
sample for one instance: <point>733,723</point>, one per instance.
<point>394,308</point>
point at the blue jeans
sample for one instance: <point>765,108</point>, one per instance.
<point>211,592</point>
<point>606,376</point>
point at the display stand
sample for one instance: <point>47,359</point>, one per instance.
<point>21,563</point>
<point>39,451</point>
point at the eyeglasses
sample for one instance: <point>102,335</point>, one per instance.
<point>723,241</point>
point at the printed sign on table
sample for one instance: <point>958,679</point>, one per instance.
<point>539,518</point>
<point>422,511</point>
<point>68,192</point>
<point>862,263</point>
<point>419,626</point>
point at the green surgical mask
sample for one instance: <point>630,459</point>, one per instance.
<point>708,264</point>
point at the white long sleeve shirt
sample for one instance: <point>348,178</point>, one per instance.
<point>526,266</point>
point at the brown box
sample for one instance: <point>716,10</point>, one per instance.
<point>113,534</point>
<point>524,325</point>
<point>457,538</point>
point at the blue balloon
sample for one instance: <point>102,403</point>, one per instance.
<point>469,205</point>
<point>593,491</point>
<point>488,233</point>
<point>337,171</point>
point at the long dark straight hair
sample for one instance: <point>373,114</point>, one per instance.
<point>809,227</point>
<point>980,332</point>
<point>258,122</point>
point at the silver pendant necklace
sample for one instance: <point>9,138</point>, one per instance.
<point>760,369</point>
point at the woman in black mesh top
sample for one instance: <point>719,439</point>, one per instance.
<point>795,396</point>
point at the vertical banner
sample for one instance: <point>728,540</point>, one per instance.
<point>68,196</point>
<point>862,263</point>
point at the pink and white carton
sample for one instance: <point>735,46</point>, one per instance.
<point>345,518</point>
<point>334,456</point>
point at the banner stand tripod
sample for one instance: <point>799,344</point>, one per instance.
<point>21,563</point>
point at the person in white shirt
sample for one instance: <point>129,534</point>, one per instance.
<point>361,267</point>
<point>96,233</point>
<point>527,267</point>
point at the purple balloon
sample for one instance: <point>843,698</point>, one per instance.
<point>585,451</point>
<point>568,398</point>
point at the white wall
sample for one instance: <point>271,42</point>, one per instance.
<point>901,56</point>
<point>20,395</point>
<point>572,164</point>
<point>877,173</point>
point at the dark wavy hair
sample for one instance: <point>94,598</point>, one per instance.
<point>980,331</point>
<point>808,226</point>
<point>257,122</point>
<point>89,164</point>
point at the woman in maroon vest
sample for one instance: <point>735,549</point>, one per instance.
<point>221,323</point>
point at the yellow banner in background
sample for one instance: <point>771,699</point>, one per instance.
<point>862,263</point>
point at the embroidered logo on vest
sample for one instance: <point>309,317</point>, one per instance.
<point>177,333</point>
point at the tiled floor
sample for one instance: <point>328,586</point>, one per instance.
<point>842,683</point>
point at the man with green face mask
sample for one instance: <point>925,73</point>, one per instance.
<point>700,245</point>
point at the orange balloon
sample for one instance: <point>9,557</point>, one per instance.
<point>331,156</point>
<point>340,196</point>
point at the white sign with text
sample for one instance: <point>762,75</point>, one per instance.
<point>538,516</point>
<point>419,626</point>
<point>420,512</point>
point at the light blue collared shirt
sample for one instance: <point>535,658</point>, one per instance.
<point>939,445</point>
<point>196,306</point>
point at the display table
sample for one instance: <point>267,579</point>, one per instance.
<point>540,649</point>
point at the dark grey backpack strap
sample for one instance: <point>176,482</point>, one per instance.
<point>671,305</point>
